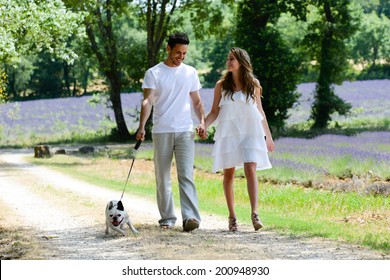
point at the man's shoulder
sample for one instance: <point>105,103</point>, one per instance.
<point>188,67</point>
<point>155,67</point>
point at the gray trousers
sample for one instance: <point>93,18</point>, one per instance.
<point>182,146</point>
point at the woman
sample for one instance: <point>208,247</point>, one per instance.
<point>242,137</point>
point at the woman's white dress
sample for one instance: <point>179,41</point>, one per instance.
<point>239,135</point>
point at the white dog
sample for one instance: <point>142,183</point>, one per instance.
<point>117,218</point>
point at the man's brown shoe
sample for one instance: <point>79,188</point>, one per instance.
<point>190,225</point>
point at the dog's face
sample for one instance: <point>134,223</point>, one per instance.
<point>115,212</point>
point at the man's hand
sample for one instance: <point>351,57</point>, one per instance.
<point>140,135</point>
<point>201,132</point>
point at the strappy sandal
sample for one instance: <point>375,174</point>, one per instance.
<point>233,224</point>
<point>257,224</point>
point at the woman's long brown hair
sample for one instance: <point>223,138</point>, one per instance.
<point>246,76</point>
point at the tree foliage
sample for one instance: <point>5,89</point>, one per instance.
<point>326,41</point>
<point>99,22</point>
<point>33,26</point>
<point>162,17</point>
<point>371,43</point>
<point>273,62</point>
<point>156,17</point>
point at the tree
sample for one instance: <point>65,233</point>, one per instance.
<point>33,26</point>
<point>217,57</point>
<point>273,62</point>
<point>154,16</point>
<point>370,46</point>
<point>99,28</point>
<point>326,40</point>
<point>157,16</point>
<point>161,17</point>
<point>380,7</point>
<point>3,81</point>
<point>47,83</point>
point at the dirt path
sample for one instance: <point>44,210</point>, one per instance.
<point>65,218</point>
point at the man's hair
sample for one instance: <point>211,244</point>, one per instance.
<point>178,38</point>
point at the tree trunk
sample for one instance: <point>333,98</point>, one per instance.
<point>331,57</point>
<point>105,50</point>
<point>322,106</point>
<point>66,69</point>
<point>115,98</point>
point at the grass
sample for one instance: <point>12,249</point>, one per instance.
<point>288,208</point>
<point>14,244</point>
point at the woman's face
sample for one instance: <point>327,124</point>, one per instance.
<point>232,63</point>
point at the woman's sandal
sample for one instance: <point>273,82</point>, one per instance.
<point>257,224</point>
<point>233,224</point>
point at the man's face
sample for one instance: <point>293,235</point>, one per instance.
<point>177,54</point>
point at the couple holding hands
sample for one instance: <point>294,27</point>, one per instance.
<point>242,138</point>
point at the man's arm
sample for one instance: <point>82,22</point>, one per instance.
<point>146,108</point>
<point>198,109</point>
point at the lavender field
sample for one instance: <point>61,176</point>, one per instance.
<point>358,163</point>
<point>340,156</point>
<point>56,118</point>
<point>370,100</point>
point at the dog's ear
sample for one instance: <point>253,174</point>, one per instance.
<point>120,206</point>
<point>110,205</point>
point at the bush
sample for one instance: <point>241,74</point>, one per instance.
<point>375,72</point>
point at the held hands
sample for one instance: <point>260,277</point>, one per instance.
<point>201,131</point>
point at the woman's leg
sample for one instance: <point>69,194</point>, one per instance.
<point>252,184</point>
<point>228,179</point>
<point>253,191</point>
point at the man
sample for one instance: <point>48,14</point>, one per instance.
<point>169,87</point>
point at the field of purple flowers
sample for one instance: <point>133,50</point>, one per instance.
<point>366,155</point>
<point>56,118</point>
<point>370,100</point>
<point>59,118</point>
<point>358,163</point>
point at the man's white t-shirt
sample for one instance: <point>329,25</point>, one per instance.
<point>172,101</point>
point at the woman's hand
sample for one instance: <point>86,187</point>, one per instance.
<point>270,144</point>
<point>201,132</point>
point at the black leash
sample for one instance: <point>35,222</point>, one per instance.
<point>131,167</point>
